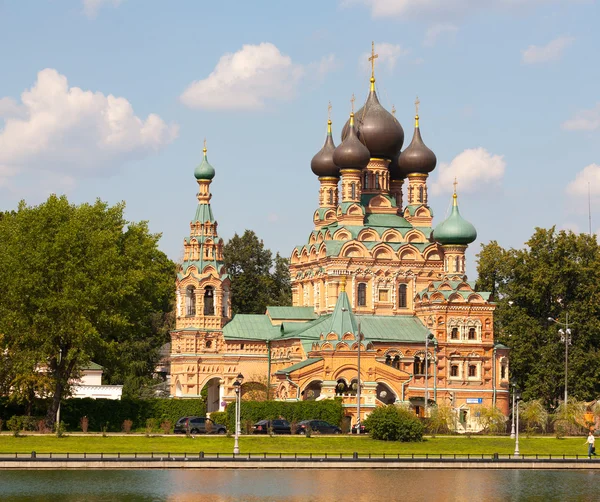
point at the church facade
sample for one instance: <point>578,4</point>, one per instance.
<point>374,264</point>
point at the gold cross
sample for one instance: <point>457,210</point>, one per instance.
<point>455,183</point>
<point>417,103</point>
<point>329,111</point>
<point>204,145</point>
<point>393,110</point>
<point>352,101</point>
<point>372,59</point>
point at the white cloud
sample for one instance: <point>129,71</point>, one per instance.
<point>442,9</point>
<point>584,120</point>
<point>387,56</point>
<point>66,130</point>
<point>586,179</point>
<point>246,79</point>
<point>91,7</point>
<point>552,51</point>
<point>436,31</point>
<point>471,168</point>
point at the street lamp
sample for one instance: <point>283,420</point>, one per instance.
<point>565,337</point>
<point>518,398</point>
<point>512,428</point>
<point>237,385</point>
<point>429,338</point>
<point>358,382</point>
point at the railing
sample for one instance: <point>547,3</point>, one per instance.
<point>294,457</point>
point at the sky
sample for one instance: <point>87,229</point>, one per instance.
<point>112,99</point>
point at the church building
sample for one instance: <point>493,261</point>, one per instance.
<point>374,264</point>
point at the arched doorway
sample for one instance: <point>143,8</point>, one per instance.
<point>254,391</point>
<point>178,389</point>
<point>213,395</point>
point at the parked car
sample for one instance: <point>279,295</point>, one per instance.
<point>198,425</point>
<point>363,429</point>
<point>318,426</point>
<point>278,426</point>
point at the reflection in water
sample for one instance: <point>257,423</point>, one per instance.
<point>295,486</point>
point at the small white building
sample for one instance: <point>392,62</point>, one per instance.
<point>90,384</point>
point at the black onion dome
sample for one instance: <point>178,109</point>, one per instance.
<point>322,163</point>
<point>378,129</point>
<point>417,158</point>
<point>351,153</point>
<point>395,172</point>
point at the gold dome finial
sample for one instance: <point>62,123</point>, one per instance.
<point>343,287</point>
<point>352,100</point>
<point>204,149</point>
<point>454,196</point>
<point>417,103</point>
<point>393,110</point>
<point>329,118</point>
<point>372,60</point>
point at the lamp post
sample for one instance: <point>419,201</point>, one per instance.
<point>518,398</point>
<point>429,338</point>
<point>358,381</point>
<point>237,385</point>
<point>57,425</point>
<point>565,337</point>
<point>512,428</point>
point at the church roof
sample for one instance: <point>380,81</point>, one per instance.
<point>250,327</point>
<point>292,313</point>
<point>297,366</point>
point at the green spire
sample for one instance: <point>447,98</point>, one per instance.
<point>204,171</point>
<point>343,320</point>
<point>455,229</point>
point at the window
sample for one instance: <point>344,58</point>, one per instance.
<point>331,196</point>
<point>454,334</point>
<point>209,301</point>
<point>454,370</point>
<point>366,182</point>
<point>402,296</point>
<point>472,334</point>
<point>208,344</point>
<point>457,264</point>
<point>362,294</point>
<point>472,370</point>
<point>388,360</point>
<point>353,191</point>
<point>383,295</point>
<point>396,362</point>
<point>503,372</point>
<point>190,301</point>
<point>421,193</point>
<point>419,366</point>
<point>377,185</point>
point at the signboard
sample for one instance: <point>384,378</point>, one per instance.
<point>474,400</point>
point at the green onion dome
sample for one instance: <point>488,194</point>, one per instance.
<point>204,171</point>
<point>377,128</point>
<point>351,153</point>
<point>455,229</point>
<point>416,158</point>
<point>322,163</point>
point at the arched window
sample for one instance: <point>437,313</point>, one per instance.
<point>503,372</point>
<point>472,334</point>
<point>472,370</point>
<point>421,193</point>
<point>457,263</point>
<point>402,296</point>
<point>454,334</point>
<point>454,370</point>
<point>419,366</point>
<point>366,181</point>
<point>353,191</point>
<point>190,301</point>
<point>209,301</point>
<point>331,196</point>
<point>377,185</point>
<point>388,360</point>
<point>362,294</point>
<point>396,362</point>
<point>208,344</point>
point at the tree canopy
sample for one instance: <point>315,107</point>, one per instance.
<point>80,283</point>
<point>257,280</point>
<point>555,275</point>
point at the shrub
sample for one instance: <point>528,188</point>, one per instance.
<point>219,417</point>
<point>42,427</point>
<point>127,424</point>
<point>166,426</point>
<point>150,425</point>
<point>390,423</point>
<point>84,424</point>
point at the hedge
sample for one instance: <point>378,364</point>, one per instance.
<point>330,410</point>
<point>110,414</point>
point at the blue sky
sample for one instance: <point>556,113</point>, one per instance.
<point>112,99</point>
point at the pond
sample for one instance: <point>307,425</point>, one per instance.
<point>300,485</point>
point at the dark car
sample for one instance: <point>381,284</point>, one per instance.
<point>318,426</point>
<point>198,425</point>
<point>278,426</point>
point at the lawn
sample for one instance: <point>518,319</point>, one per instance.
<point>288,444</point>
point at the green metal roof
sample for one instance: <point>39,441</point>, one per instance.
<point>204,214</point>
<point>345,205</point>
<point>366,198</point>
<point>250,327</point>
<point>393,328</point>
<point>295,313</point>
<point>297,366</point>
<point>455,229</point>
<point>92,366</point>
<point>412,209</point>
<point>387,221</point>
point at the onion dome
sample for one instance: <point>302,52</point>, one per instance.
<point>351,153</point>
<point>395,173</point>
<point>377,128</point>
<point>455,229</point>
<point>204,171</point>
<point>417,158</point>
<point>322,163</point>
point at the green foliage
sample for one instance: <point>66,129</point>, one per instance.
<point>256,279</point>
<point>555,274</point>
<point>441,419</point>
<point>80,283</point>
<point>219,417</point>
<point>570,419</point>
<point>534,414</point>
<point>329,410</point>
<point>490,419</point>
<point>391,423</point>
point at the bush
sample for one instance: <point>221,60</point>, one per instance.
<point>219,417</point>
<point>84,424</point>
<point>150,425</point>
<point>390,423</point>
<point>127,425</point>
<point>166,426</point>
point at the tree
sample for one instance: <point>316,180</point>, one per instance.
<point>256,280</point>
<point>81,283</point>
<point>534,414</point>
<point>555,274</point>
<point>392,423</point>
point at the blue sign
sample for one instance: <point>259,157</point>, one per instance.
<point>474,400</point>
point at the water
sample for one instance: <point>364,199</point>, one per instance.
<point>301,485</point>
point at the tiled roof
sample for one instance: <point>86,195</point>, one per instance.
<point>250,327</point>
<point>297,366</point>
<point>295,313</point>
